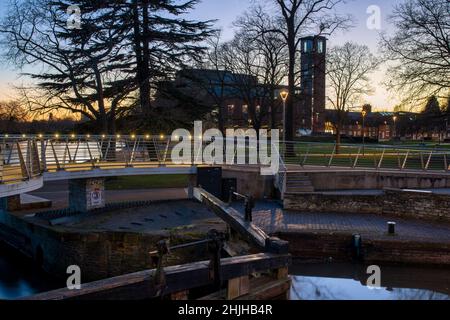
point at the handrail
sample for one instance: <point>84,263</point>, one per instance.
<point>24,157</point>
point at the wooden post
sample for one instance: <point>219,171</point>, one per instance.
<point>282,273</point>
<point>238,287</point>
<point>180,296</point>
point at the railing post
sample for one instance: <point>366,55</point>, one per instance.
<point>405,161</point>
<point>76,152</point>
<point>133,153</point>
<point>429,161</point>
<point>43,154</point>
<point>23,166</point>
<point>306,155</point>
<point>399,161</point>
<point>58,167</point>
<point>445,162</point>
<point>35,158</point>
<point>90,154</point>
<point>382,158</point>
<point>422,161</point>
<point>332,156</point>
<point>357,158</point>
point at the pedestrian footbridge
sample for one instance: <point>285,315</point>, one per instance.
<point>27,162</point>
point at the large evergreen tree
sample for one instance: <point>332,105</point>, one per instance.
<point>80,71</point>
<point>160,40</point>
<point>122,47</point>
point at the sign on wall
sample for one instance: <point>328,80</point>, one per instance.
<point>95,190</point>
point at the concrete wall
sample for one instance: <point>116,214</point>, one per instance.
<point>393,202</point>
<point>251,182</point>
<point>335,246</point>
<point>348,180</point>
<point>86,194</point>
<point>99,254</point>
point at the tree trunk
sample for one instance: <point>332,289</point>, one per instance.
<point>273,110</point>
<point>338,137</point>
<point>145,87</point>
<point>140,43</point>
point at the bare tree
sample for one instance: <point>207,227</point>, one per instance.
<point>298,17</point>
<point>420,50</point>
<point>12,113</point>
<point>348,68</point>
<point>256,26</point>
<point>215,86</point>
<point>241,58</point>
<point>82,72</point>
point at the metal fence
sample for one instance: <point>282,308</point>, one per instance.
<point>377,157</point>
<point>24,157</point>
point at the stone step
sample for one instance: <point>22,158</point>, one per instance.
<point>298,179</point>
<point>298,183</point>
<point>300,190</point>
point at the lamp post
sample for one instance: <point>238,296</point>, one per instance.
<point>284,96</point>
<point>395,118</point>
<point>364,114</point>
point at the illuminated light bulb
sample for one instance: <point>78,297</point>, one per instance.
<point>133,136</point>
<point>40,135</point>
<point>57,136</point>
<point>6,135</point>
<point>88,136</point>
<point>103,136</point>
<point>73,136</point>
<point>147,136</point>
<point>118,136</point>
<point>161,136</point>
<point>24,136</point>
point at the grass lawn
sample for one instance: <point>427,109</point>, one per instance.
<point>147,182</point>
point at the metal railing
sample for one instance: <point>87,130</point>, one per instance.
<point>377,157</point>
<point>24,157</point>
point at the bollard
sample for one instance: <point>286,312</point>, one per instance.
<point>249,206</point>
<point>215,247</point>
<point>230,196</point>
<point>391,228</point>
<point>357,245</point>
<point>159,280</point>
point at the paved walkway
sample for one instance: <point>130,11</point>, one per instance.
<point>272,218</point>
<point>183,216</point>
<point>58,193</point>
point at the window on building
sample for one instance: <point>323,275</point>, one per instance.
<point>320,46</point>
<point>307,46</point>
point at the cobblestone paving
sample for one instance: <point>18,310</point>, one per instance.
<point>272,218</point>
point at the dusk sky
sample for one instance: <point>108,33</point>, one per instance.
<point>226,11</point>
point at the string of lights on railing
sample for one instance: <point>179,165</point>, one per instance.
<point>88,136</point>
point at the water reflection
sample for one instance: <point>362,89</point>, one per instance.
<point>20,278</point>
<point>347,282</point>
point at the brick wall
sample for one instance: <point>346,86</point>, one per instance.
<point>100,255</point>
<point>393,202</point>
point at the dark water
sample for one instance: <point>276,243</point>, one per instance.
<point>332,281</point>
<point>348,282</point>
<point>19,277</point>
